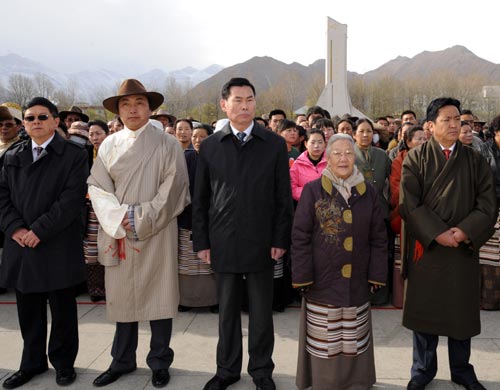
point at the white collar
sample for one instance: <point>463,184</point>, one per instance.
<point>247,131</point>
<point>134,134</point>
<point>44,145</point>
<point>452,147</point>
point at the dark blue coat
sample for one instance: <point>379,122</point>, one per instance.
<point>46,196</point>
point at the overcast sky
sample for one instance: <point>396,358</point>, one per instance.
<point>133,36</point>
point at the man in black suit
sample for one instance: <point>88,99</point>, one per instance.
<point>242,216</point>
<point>42,192</point>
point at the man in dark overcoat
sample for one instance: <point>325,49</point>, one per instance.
<point>448,204</point>
<point>42,193</point>
<point>242,216</point>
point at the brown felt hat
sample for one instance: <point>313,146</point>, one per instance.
<point>74,110</point>
<point>79,128</point>
<point>5,113</point>
<point>163,112</point>
<point>132,87</point>
<point>14,110</point>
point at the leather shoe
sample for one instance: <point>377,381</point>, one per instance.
<point>414,385</point>
<point>214,309</point>
<point>109,376</point>
<point>471,386</point>
<point>65,376</point>
<point>265,384</point>
<point>97,298</point>
<point>218,383</point>
<point>21,377</point>
<point>160,378</point>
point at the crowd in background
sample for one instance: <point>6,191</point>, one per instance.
<point>329,161</point>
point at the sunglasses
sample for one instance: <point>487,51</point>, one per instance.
<point>41,117</point>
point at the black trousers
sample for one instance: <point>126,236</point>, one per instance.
<point>63,341</point>
<point>260,327</point>
<point>424,366</point>
<point>124,347</point>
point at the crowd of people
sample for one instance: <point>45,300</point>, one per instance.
<point>155,214</point>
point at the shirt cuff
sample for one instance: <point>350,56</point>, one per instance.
<point>131,219</point>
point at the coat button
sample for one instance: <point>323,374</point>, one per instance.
<point>348,244</point>
<point>347,271</point>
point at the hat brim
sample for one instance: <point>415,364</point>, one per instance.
<point>155,100</point>
<point>64,114</point>
<point>171,118</point>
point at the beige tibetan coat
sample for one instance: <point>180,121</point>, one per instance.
<point>151,175</point>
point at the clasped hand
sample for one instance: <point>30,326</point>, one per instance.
<point>25,237</point>
<point>451,237</point>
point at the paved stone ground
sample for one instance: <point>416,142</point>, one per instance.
<point>194,342</point>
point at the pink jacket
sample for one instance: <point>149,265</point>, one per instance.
<point>303,171</point>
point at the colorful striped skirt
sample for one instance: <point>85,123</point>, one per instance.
<point>335,347</point>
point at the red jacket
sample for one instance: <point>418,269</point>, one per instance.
<point>303,171</point>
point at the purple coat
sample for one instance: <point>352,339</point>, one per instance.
<point>338,247</point>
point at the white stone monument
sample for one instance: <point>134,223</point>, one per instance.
<point>335,97</point>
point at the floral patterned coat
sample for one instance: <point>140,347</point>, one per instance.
<point>338,247</point>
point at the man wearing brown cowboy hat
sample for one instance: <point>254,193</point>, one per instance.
<point>164,117</point>
<point>72,115</point>
<point>9,128</point>
<point>138,185</point>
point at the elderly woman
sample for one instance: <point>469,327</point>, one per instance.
<point>339,255</point>
<point>98,131</point>
<point>489,254</point>
<point>197,286</point>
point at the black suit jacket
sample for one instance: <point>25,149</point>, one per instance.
<point>46,196</point>
<point>242,204</point>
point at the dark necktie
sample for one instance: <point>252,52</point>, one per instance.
<point>38,152</point>
<point>241,136</point>
<point>447,153</point>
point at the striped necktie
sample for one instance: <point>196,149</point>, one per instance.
<point>38,152</point>
<point>241,136</point>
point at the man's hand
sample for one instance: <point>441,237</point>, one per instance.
<point>31,240</point>
<point>277,253</point>
<point>447,238</point>
<point>18,236</point>
<point>126,223</point>
<point>459,234</point>
<point>204,256</point>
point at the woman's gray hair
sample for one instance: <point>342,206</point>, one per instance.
<point>335,138</point>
